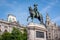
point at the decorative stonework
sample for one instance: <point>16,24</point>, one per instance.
<point>33,28</point>
<point>11,18</point>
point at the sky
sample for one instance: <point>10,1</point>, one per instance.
<point>19,8</point>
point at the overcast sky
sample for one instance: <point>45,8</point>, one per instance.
<point>19,8</point>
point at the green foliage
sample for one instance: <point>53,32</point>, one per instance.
<point>15,35</point>
<point>0,37</point>
<point>25,34</point>
<point>6,36</point>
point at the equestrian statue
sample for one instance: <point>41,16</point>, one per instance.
<point>34,13</point>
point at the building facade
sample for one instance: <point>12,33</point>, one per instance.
<point>52,29</point>
<point>49,31</point>
<point>59,33</point>
<point>7,25</point>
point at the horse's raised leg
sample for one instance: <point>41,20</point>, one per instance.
<point>28,18</point>
<point>39,18</point>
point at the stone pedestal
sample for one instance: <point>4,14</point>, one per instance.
<point>36,31</point>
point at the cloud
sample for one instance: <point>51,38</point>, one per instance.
<point>51,4</point>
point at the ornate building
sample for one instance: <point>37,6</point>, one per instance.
<point>52,29</point>
<point>11,18</point>
<point>35,31</point>
<point>59,33</point>
<point>7,25</point>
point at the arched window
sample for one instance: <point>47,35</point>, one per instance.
<point>48,22</point>
<point>49,36</point>
<point>5,30</point>
<point>0,30</point>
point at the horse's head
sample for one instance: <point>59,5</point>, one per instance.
<point>30,8</point>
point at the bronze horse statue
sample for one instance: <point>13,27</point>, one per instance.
<point>35,14</point>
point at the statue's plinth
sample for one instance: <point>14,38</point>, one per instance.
<point>36,31</point>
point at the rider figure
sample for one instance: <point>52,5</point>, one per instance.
<point>37,13</point>
<point>35,9</point>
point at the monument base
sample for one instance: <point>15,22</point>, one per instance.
<point>36,31</point>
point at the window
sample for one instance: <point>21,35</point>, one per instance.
<point>5,30</point>
<point>49,36</point>
<point>0,25</point>
<point>13,19</point>
<point>0,30</point>
<point>48,22</point>
<point>9,25</point>
<point>49,29</point>
<point>49,33</point>
<point>5,26</point>
<point>39,34</point>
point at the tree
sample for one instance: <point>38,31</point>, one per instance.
<point>16,34</point>
<point>0,37</point>
<point>25,34</point>
<point>6,36</point>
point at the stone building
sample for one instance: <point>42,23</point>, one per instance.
<point>49,31</point>
<point>7,25</point>
<point>59,33</point>
<point>52,29</point>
